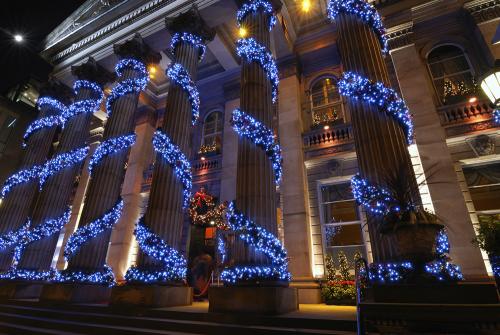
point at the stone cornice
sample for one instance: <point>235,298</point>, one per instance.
<point>400,35</point>
<point>483,10</point>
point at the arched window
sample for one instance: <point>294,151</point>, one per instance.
<point>212,133</point>
<point>326,105</point>
<point>451,74</point>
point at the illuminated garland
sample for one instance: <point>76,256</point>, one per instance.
<point>212,215</point>
<point>179,76</point>
<point>364,11</point>
<point>174,265</point>
<point>48,121</point>
<point>28,275</point>
<point>252,7</point>
<point>177,160</point>
<point>377,200</point>
<point>260,135</point>
<point>109,147</point>
<point>128,86</point>
<point>91,230</point>
<point>89,105</point>
<point>20,177</point>
<point>221,247</point>
<point>13,237</point>
<point>496,116</point>
<point>264,242</point>
<point>389,272</point>
<point>251,51</point>
<point>357,87</point>
<point>104,277</point>
<point>46,229</point>
<point>189,38</point>
<point>61,162</point>
<point>442,243</point>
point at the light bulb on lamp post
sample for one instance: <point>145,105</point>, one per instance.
<point>490,84</point>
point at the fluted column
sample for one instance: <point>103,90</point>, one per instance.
<point>107,176</point>
<point>56,194</point>
<point>165,212</point>
<point>16,206</point>
<point>381,145</point>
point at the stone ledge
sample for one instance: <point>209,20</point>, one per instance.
<point>75,293</point>
<point>7,290</point>
<point>258,300</point>
<point>151,296</point>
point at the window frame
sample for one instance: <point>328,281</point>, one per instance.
<point>339,103</point>
<point>220,115</point>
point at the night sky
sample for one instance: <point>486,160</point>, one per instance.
<point>34,20</point>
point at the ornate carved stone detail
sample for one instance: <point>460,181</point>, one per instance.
<point>483,10</point>
<point>469,128</point>
<point>190,22</point>
<point>482,145</point>
<point>136,48</point>
<point>92,71</point>
<point>400,36</point>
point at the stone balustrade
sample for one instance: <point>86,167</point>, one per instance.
<point>332,136</point>
<point>465,112</point>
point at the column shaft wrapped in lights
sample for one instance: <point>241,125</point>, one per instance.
<point>58,187</point>
<point>86,249</point>
<point>159,231</point>
<point>258,255</point>
<point>377,115</point>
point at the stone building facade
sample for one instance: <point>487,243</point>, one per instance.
<point>439,50</point>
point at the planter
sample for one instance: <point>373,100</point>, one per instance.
<point>416,242</point>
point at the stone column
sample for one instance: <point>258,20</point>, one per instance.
<point>107,176</point>
<point>436,159</point>
<point>16,206</point>
<point>56,194</point>
<point>230,155</point>
<point>381,145</point>
<point>165,214</point>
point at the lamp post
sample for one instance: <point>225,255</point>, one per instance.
<point>490,84</point>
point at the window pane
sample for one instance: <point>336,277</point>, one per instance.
<point>324,92</point>
<point>486,198</point>
<point>483,182</point>
<point>345,211</point>
<point>343,235</point>
<point>336,192</point>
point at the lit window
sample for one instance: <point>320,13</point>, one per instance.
<point>325,102</point>
<point>451,74</point>
<point>483,182</point>
<point>212,133</point>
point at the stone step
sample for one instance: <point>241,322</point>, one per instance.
<point>85,319</point>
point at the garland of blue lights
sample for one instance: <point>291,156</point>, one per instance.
<point>127,86</point>
<point>375,199</point>
<point>179,76</point>
<point>253,6</point>
<point>221,247</point>
<point>194,40</point>
<point>103,277</point>
<point>109,147</point>
<point>20,177</point>
<point>61,162</point>
<point>264,242</point>
<point>48,121</point>
<point>260,135</point>
<point>89,105</point>
<point>386,99</point>
<point>496,116</point>
<point>364,11</point>
<point>173,264</point>
<point>14,274</point>
<point>13,237</point>
<point>177,160</point>
<point>252,51</point>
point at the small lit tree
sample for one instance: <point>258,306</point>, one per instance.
<point>330,268</point>
<point>344,267</point>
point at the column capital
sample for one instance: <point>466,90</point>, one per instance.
<point>277,4</point>
<point>483,10</point>
<point>94,72</point>
<point>190,22</point>
<point>56,90</point>
<point>400,36</point>
<point>138,49</point>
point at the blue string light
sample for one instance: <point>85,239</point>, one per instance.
<point>13,237</point>
<point>253,6</point>
<point>260,135</point>
<point>111,146</point>
<point>103,277</point>
<point>364,11</point>
<point>251,51</point>
<point>389,272</point>
<point>177,160</point>
<point>179,76</point>
<point>28,275</point>
<point>128,86</point>
<point>61,162</point>
<point>221,247</point>
<point>89,105</point>
<point>48,121</point>
<point>496,116</point>
<point>263,242</point>
<point>173,264</point>
<point>442,243</point>
<point>194,40</point>
<point>375,199</point>
<point>386,99</point>
<point>20,177</point>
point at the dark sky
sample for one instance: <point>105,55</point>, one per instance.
<point>34,20</point>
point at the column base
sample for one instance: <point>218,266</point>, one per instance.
<point>7,290</point>
<point>28,291</point>
<point>309,291</point>
<point>257,300</point>
<point>76,293</point>
<point>151,296</point>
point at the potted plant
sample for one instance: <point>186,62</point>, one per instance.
<point>340,288</point>
<point>488,239</point>
<point>410,226</point>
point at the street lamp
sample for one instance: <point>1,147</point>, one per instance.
<point>490,84</point>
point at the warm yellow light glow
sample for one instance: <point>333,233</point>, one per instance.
<point>152,69</point>
<point>306,5</point>
<point>243,32</point>
<point>203,158</point>
<point>151,75</point>
<point>326,127</point>
<point>472,100</point>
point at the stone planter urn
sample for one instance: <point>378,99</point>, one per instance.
<point>416,242</point>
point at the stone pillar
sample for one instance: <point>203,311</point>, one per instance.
<point>230,155</point>
<point>381,145</point>
<point>430,138</point>
<point>108,174</point>
<point>56,194</point>
<point>16,206</point>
